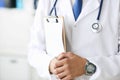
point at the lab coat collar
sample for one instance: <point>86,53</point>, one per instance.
<point>89,7</point>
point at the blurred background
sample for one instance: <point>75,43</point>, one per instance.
<point>16,19</point>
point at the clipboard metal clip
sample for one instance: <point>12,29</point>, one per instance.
<point>55,18</point>
<point>52,19</point>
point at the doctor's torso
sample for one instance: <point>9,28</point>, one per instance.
<point>79,36</point>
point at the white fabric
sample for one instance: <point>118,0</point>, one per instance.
<point>100,48</point>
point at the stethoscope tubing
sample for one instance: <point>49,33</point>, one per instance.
<point>53,8</point>
<point>100,10</point>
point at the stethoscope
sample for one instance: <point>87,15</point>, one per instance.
<point>96,27</point>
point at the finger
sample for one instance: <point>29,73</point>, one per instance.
<point>61,75</point>
<point>65,55</point>
<point>61,56</point>
<point>69,77</point>
<point>59,70</point>
<point>60,63</point>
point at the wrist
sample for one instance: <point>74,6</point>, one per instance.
<point>90,68</point>
<point>84,61</point>
<point>50,69</point>
<point>51,65</point>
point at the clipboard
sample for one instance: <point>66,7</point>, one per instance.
<point>55,38</point>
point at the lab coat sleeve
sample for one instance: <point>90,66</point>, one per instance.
<point>108,68</point>
<point>37,55</point>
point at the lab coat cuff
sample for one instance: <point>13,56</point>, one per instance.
<point>47,67</point>
<point>50,76</point>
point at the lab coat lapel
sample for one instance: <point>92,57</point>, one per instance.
<point>89,7</point>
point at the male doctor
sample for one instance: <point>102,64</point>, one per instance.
<point>92,41</point>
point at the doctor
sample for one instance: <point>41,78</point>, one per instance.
<point>92,41</point>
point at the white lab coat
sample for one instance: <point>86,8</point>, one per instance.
<point>99,48</point>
